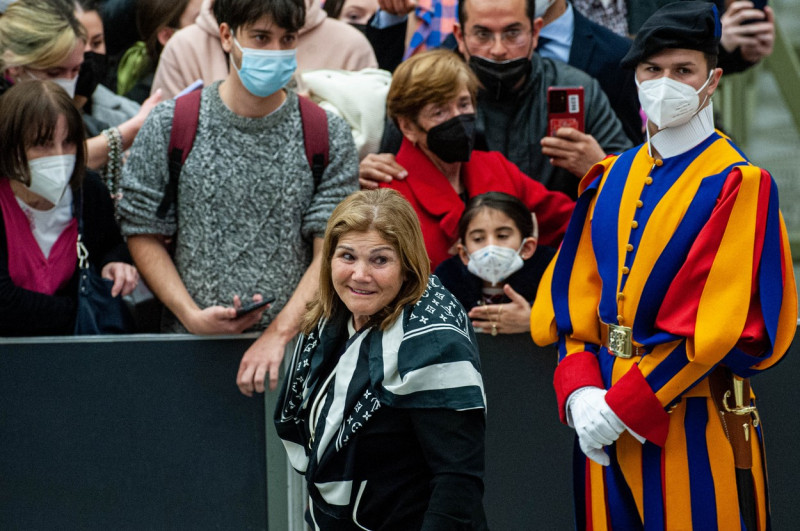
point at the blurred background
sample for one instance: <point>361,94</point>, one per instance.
<point>760,109</point>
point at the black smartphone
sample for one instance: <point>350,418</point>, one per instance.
<point>757,4</point>
<point>253,306</point>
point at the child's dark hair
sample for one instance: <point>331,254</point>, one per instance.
<point>505,203</point>
<point>287,14</point>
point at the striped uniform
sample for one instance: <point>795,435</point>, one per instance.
<point>691,253</point>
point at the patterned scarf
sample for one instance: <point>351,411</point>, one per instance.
<point>427,358</point>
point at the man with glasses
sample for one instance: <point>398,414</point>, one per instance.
<point>498,38</point>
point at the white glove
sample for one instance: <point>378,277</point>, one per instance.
<point>594,422</point>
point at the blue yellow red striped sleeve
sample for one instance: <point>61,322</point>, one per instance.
<point>565,308</point>
<point>732,301</point>
<point>693,256</point>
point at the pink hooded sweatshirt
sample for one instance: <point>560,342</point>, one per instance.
<point>195,51</point>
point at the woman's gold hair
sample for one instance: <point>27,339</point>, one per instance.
<point>436,76</point>
<point>390,215</point>
<point>38,34</point>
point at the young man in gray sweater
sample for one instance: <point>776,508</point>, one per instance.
<point>250,217</point>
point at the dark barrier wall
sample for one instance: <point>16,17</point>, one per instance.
<point>150,432</point>
<point>528,451</point>
<point>129,435</point>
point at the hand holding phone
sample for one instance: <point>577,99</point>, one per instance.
<point>253,306</point>
<point>757,4</point>
<point>565,109</point>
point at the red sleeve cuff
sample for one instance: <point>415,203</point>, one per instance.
<point>573,372</point>
<point>634,402</point>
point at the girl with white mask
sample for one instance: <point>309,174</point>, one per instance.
<point>42,174</point>
<point>499,263</point>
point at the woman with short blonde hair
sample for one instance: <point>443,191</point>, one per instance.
<point>42,39</point>
<point>383,406</point>
<point>37,35</point>
<point>434,77</point>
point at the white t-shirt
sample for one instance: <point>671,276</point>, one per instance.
<point>47,225</point>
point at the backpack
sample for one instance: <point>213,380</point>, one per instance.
<point>184,129</point>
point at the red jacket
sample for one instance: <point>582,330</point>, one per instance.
<point>439,207</point>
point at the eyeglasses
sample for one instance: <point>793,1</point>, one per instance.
<point>482,38</point>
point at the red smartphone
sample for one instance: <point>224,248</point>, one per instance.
<point>565,109</point>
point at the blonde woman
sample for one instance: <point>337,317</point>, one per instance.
<point>383,408</point>
<point>42,39</point>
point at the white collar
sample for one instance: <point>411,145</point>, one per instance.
<point>674,141</point>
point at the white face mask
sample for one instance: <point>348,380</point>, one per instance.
<point>670,103</point>
<point>541,7</point>
<point>50,176</point>
<point>494,263</point>
<point>63,82</point>
<point>67,84</point>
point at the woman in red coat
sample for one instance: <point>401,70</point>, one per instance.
<point>432,100</point>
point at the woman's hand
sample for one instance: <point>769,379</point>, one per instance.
<point>124,276</point>
<point>377,168</point>
<point>510,318</point>
<point>130,128</point>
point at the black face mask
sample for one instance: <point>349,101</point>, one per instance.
<point>360,27</point>
<point>93,72</point>
<point>500,79</point>
<point>453,140</point>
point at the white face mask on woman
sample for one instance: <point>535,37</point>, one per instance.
<point>670,103</point>
<point>50,176</point>
<point>63,82</point>
<point>494,263</point>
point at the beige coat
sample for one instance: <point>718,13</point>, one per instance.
<point>195,52</point>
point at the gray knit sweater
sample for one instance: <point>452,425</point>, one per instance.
<point>247,209</point>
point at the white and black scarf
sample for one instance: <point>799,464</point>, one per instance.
<point>427,358</point>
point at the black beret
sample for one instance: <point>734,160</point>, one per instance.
<point>689,25</point>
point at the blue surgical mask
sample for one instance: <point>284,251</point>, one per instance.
<point>265,72</point>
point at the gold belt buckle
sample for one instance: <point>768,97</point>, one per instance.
<point>620,341</point>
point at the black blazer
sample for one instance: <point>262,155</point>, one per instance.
<point>598,51</point>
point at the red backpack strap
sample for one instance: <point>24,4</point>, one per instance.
<point>315,137</point>
<point>181,139</point>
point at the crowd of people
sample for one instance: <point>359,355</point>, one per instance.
<point>215,150</point>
